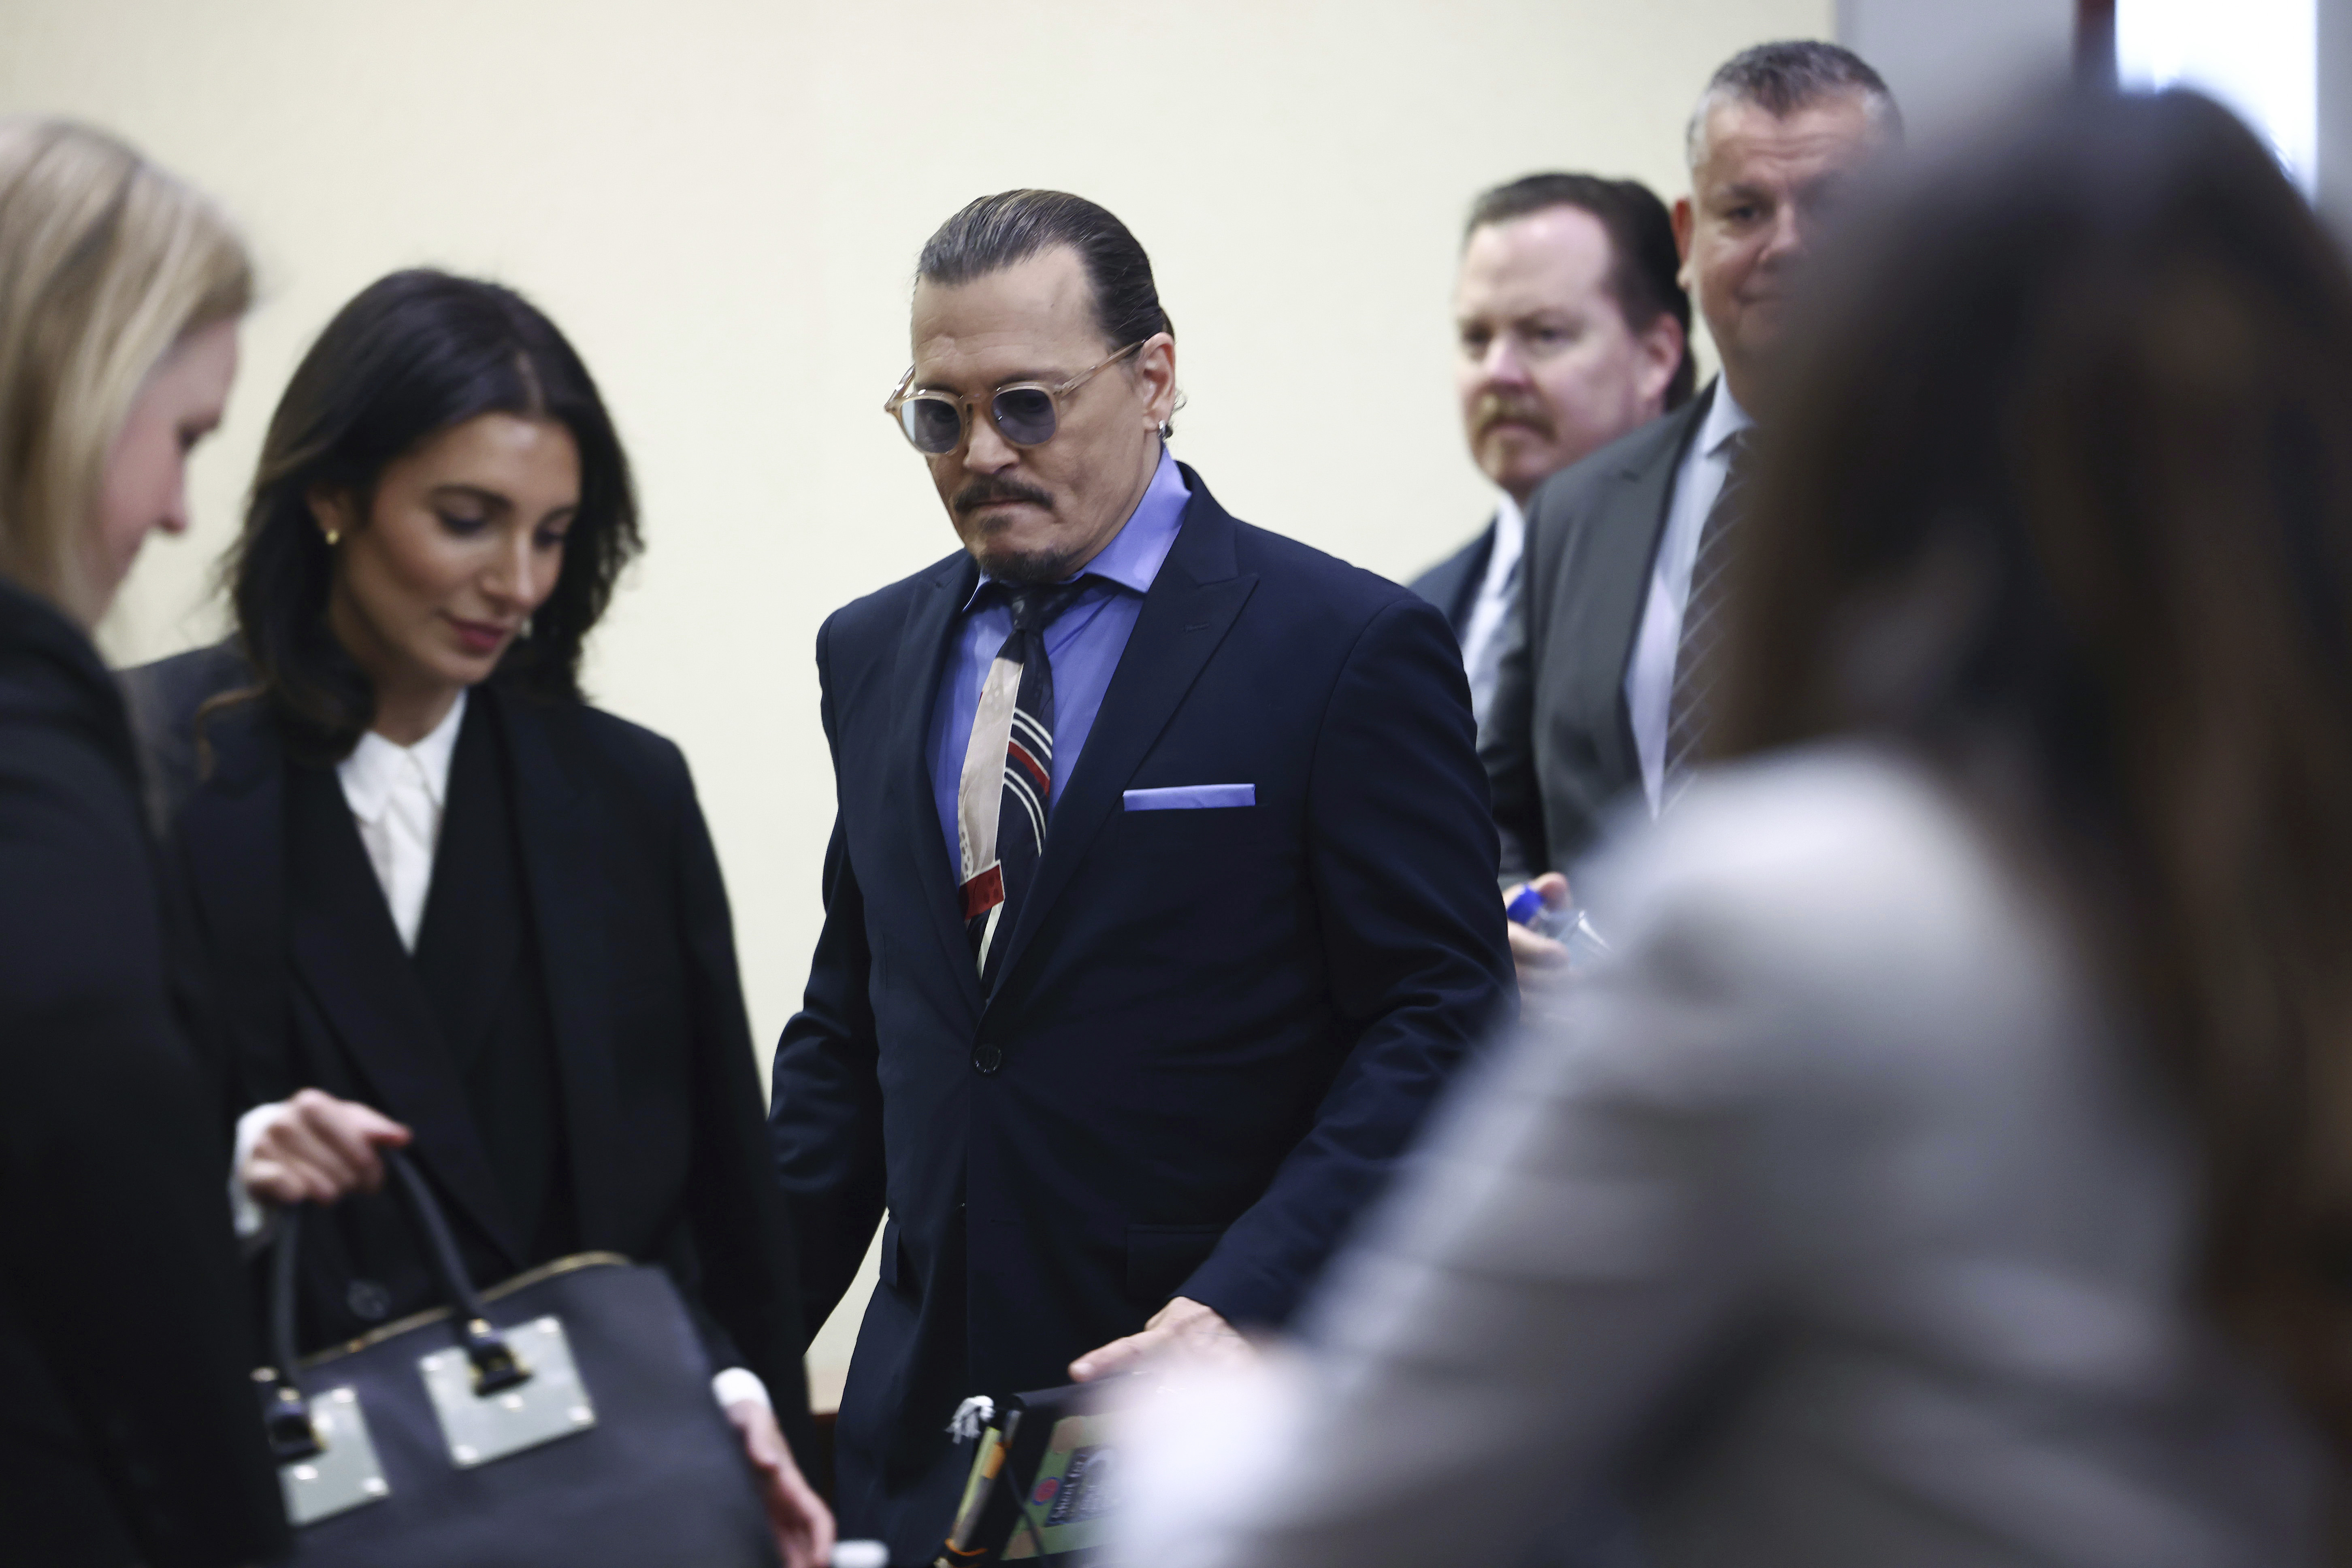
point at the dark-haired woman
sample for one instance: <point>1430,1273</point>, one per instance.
<point>448,904</point>
<point>1953,1165</point>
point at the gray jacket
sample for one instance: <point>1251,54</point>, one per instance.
<point>1837,1224</point>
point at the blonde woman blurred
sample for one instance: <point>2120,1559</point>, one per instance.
<point>129,1432</point>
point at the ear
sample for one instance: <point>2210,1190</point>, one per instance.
<point>1155,377</point>
<point>1684,220</point>
<point>333,510</point>
<point>1660,350</point>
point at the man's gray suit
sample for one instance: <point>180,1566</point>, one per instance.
<point>1557,743</point>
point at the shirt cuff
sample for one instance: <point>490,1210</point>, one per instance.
<point>253,1221</point>
<point>738,1383</point>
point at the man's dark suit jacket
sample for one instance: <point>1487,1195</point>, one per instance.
<point>128,1428</point>
<point>1557,743</point>
<point>664,1154</point>
<point>1452,584</point>
<point>1213,1031</point>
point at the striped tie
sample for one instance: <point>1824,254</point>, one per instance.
<point>1695,667</point>
<point>1006,791</point>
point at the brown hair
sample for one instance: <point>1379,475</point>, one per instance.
<point>106,262</point>
<point>2065,478</point>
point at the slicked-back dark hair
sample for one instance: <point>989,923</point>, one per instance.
<point>413,354</point>
<point>993,232</point>
<point>1644,265</point>
<point>1797,73</point>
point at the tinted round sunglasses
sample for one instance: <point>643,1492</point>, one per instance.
<point>1025,413</point>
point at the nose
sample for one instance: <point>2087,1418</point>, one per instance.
<point>1503,365</point>
<point>518,579</point>
<point>1791,228</point>
<point>174,520</point>
<point>985,449</point>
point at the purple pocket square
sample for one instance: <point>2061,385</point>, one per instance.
<point>1189,797</point>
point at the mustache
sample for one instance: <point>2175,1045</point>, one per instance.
<point>1494,408</point>
<point>987,488</point>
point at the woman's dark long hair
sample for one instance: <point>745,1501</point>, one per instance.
<point>2065,478</point>
<point>411,355</point>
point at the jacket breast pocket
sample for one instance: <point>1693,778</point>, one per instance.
<point>1160,1257</point>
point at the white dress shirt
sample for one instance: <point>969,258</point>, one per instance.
<point>1482,634</point>
<point>1650,679</point>
<point>397,796</point>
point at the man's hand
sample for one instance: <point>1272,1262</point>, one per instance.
<point>1539,960</point>
<point>804,1525</point>
<point>1182,1326</point>
<point>318,1149</point>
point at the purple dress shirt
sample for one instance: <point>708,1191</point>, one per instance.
<point>1082,646</point>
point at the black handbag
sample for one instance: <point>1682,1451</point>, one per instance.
<point>563,1417</point>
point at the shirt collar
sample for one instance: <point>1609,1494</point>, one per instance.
<point>376,765</point>
<point>1725,419</point>
<point>1510,525</point>
<point>1133,557</point>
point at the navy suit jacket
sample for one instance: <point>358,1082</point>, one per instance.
<point>1452,584</point>
<point>1214,1030</point>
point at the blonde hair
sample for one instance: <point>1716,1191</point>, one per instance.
<point>106,263</point>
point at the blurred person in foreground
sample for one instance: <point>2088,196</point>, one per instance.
<point>1598,691</point>
<point>1952,1167</point>
<point>449,905</point>
<point>1572,330</point>
<point>1160,898</point>
<point>129,1431</point>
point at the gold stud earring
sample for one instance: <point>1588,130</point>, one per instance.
<point>334,537</point>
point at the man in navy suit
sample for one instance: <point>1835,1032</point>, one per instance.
<point>1159,901</point>
<point>1573,331</point>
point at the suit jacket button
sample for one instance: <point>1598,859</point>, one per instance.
<point>370,1302</point>
<point>987,1059</point>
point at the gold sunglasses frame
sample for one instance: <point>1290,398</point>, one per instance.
<point>905,393</point>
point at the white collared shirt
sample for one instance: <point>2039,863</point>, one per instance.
<point>1650,679</point>
<point>397,794</point>
<point>1482,634</point>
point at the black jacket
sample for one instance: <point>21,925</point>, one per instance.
<point>638,1006</point>
<point>129,1430</point>
<point>1557,743</point>
<point>1214,1030</point>
<point>1452,584</point>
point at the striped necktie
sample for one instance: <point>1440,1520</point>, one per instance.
<point>1696,662</point>
<point>1006,791</point>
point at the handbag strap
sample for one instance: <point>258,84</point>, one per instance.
<point>494,1364</point>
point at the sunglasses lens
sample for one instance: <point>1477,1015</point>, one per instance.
<point>933,423</point>
<point>1026,415</point>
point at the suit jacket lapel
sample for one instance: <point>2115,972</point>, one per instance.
<point>347,952</point>
<point>556,831</point>
<point>921,664</point>
<point>1616,581</point>
<point>1190,607</point>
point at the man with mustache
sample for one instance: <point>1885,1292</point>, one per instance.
<point>1602,676</point>
<point>1159,901</point>
<point>1573,329</point>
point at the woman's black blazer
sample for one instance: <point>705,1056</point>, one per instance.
<point>128,1426</point>
<point>663,1127</point>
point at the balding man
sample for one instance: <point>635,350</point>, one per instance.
<point>1598,691</point>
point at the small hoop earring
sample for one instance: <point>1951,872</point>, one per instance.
<point>1166,430</point>
<point>334,537</point>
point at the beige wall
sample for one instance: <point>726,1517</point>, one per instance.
<point>721,203</point>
